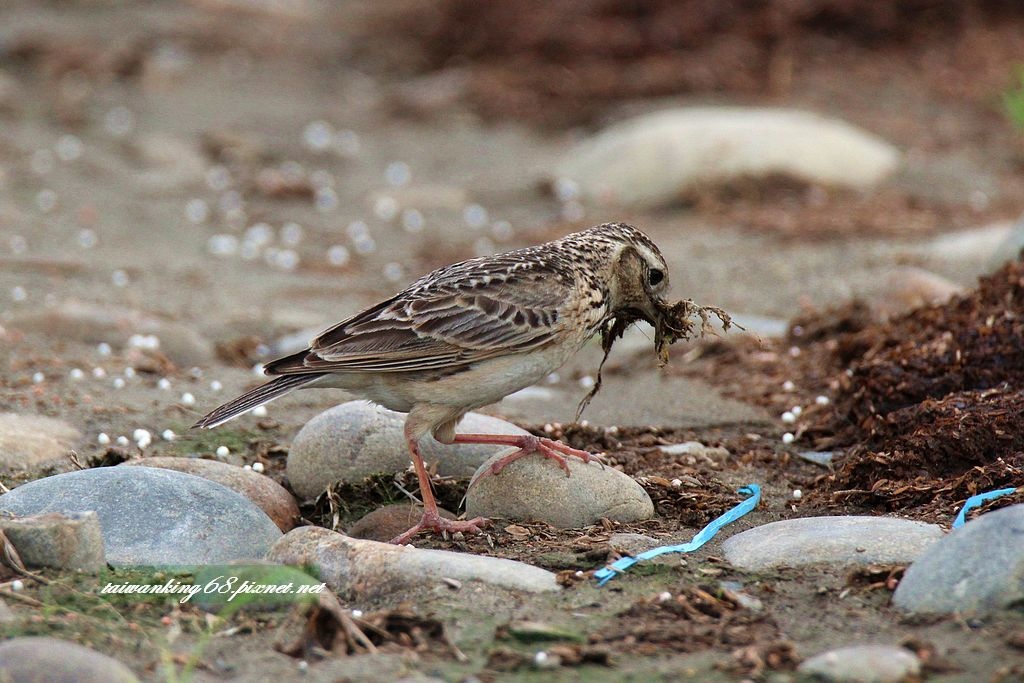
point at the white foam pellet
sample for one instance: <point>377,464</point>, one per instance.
<point>822,400</point>
<point>38,378</point>
<point>103,348</point>
<point>168,435</point>
<point>796,410</point>
<point>188,399</point>
<point>797,494</point>
<point>123,440</point>
<point>223,451</point>
<point>102,439</point>
<point>215,385</point>
<point>119,382</point>
<point>788,438</point>
<point>257,467</point>
<point>788,386</point>
<point>788,417</point>
<point>76,373</point>
<point>259,411</point>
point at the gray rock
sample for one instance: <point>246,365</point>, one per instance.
<point>537,489</point>
<point>272,498</point>
<point>823,458</point>
<point>649,160</point>
<point>65,541</point>
<point>29,441</point>
<point>152,516</point>
<point>863,664</point>
<point>358,569</point>
<point>1009,249</point>
<point>632,544</point>
<point>830,540</point>
<point>977,568</point>
<point>695,449</point>
<point>357,439</point>
<point>39,659</point>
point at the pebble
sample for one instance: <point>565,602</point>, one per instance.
<point>906,288</point>
<point>358,569</point>
<point>30,441</point>
<point>838,540</point>
<point>70,541</point>
<point>357,439</point>
<point>389,521</point>
<point>694,448</point>
<point>27,657</point>
<point>152,516</point>
<point>270,496</point>
<point>648,160</point>
<point>863,664</point>
<point>976,568</point>
<point>823,458</point>
<point>535,488</point>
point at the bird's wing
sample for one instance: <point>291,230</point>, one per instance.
<point>451,318</point>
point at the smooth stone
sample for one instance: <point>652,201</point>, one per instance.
<point>830,540</point>
<point>272,498</point>
<point>358,439</point>
<point>28,441</point>
<point>991,243</point>
<point>650,160</point>
<point>536,489</point>
<point>39,659</point>
<point>389,521</point>
<point>823,458</point>
<point>695,449</point>
<point>71,541</point>
<point>863,664</point>
<point>93,323</point>
<point>154,517</point>
<point>359,569</point>
<point>632,543</point>
<point>976,568</point>
<point>1009,249</point>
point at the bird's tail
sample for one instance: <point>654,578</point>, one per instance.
<point>257,397</point>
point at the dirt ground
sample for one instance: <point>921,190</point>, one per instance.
<point>133,134</point>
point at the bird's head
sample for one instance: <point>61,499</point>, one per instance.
<point>637,276</point>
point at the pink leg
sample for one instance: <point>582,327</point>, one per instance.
<point>527,444</point>
<point>431,518</point>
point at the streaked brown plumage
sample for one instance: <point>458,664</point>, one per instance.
<point>469,334</point>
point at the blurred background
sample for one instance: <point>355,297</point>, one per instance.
<point>238,171</point>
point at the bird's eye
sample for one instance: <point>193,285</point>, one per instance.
<point>655,276</point>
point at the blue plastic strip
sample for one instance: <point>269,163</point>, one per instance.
<point>606,574</point>
<point>976,501</point>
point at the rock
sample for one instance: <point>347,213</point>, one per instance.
<point>823,458</point>
<point>65,541</point>
<point>907,288</point>
<point>389,521</point>
<point>92,324</point>
<point>537,489</point>
<point>990,243</point>
<point>272,498</point>
<point>29,441</point>
<point>863,664</point>
<point>976,568</point>
<point>358,569</point>
<point>632,544</point>
<point>695,449</point>
<point>45,660</point>
<point>152,516</point>
<point>357,439</point>
<point>830,540</point>
<point>649,160</point>
<point>1010,247</point>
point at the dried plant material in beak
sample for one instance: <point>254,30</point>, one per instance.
<point>671,322</point>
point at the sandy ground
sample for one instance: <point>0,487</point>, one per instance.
<point>202,94</point>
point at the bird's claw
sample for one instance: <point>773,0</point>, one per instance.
<point>434,522</point>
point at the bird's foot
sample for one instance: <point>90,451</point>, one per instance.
<point>434,522</point>
<point>549,448</point>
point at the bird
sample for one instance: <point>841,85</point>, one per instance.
<point>468,334</point>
